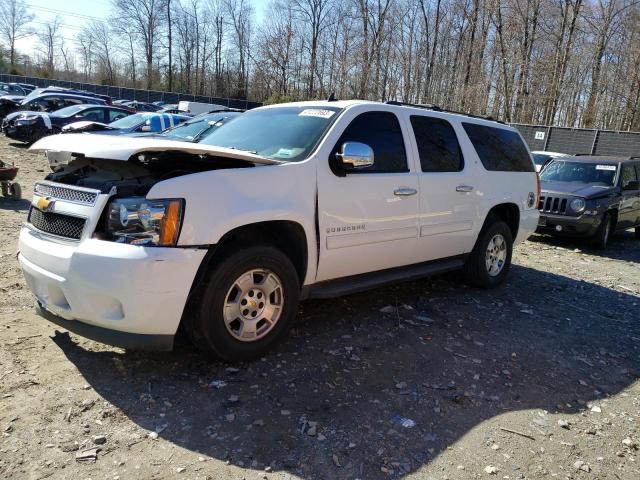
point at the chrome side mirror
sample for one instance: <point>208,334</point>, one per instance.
<point>355,155</point>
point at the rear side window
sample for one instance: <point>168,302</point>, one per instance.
<point>438,145</point>
<point>499,149</point>
<point>382,132</point>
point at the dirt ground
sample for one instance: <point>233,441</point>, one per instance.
<point>428,380</point>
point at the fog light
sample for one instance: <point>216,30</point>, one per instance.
<point>558,228</point>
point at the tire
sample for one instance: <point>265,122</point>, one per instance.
<point>247,275</point>
<point>602,236</point>
<point>477,271</point>
<point>4,187</point>
<point>15,191</point>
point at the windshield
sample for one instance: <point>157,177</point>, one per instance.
<point>32,95</point>
<point>68,111</point>
<point>280,133</point>
<point>130,121</point>
<point>194,129</point>
<point>591,173</point>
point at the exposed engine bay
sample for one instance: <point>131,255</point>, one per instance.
<point>136,176</point>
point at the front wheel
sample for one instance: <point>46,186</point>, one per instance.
<point>602,235</point>
<point>490,259</point>
<point>246,304</point>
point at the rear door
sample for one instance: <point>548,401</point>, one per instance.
<point>367,218</point>
<point>447,192</point>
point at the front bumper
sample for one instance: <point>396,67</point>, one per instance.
<point>123,295</point>
<point>528,223</point>
<point>24,133</point>
<point>133,341</point>
<point>582,226</point>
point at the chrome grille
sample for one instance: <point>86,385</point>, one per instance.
<point>65,193</point>
<point>57,223</point>
<point>552,205</point>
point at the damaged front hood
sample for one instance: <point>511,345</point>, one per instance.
<point>123,148</point>
<point>85,126</point>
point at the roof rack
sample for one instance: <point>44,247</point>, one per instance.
<point>437,108</point>
<point>598,155</point>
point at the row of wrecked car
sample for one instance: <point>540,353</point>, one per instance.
<point>55,110</point>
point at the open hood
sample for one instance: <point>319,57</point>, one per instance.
<point>85,126</point>
<point>123,148</point>
<point>15,99</point>
<point>573,188</point>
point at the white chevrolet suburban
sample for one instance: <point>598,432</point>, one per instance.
<point>131,238</point>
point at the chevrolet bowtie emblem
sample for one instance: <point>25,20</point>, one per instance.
<point>45,204</point>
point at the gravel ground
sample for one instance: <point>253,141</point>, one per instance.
<point>429,380</point>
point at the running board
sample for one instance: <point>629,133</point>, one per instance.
<point>367,281</point>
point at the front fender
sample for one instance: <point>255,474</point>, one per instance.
<point>219,201</point>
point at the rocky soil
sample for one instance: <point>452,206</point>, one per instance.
<point>427,380</point>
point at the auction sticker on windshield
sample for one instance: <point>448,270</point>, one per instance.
<point>606,167</point>
<point>316,112</point>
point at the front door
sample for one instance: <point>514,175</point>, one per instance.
<point>368,217</point>
<point>629,213</point>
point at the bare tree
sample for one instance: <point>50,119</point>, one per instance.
<point>14,24</point>
<point>147,18</point>
<point>240,14</point>
<point>49,37</point>
<point>314,14</point>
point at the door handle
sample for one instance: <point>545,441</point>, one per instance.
<point>464,188</point>
<point>404,192</point>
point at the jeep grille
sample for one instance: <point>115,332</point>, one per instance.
<point>553,205</point>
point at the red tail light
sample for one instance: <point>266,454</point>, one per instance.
<point>538,189</point>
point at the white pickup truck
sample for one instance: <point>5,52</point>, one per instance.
<point>131,238</point>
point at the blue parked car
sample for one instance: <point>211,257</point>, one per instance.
<point>196,128</point>
<point>31,126</point>
<point>136,123</point>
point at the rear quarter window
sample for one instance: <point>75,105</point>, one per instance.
<point>500,150</point>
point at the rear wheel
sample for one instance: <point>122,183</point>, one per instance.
<point>245,305</point>
<point>490,259</point>
<point>601,238</point>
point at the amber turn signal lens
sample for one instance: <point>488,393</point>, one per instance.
<point>170,224</point>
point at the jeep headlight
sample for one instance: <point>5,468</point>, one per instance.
<point>140,221</point>
<point>578,204</point>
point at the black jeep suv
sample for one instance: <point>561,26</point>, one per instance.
<point>590,196</point>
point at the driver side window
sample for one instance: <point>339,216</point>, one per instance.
<point>628,174</point>
<point>382,132</point>
<point>116,115</point>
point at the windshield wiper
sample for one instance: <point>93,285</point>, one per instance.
<point>243,150</point>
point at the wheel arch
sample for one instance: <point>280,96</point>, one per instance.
<point>613,211</point>
<point>509,213</point>
<point>287,236</point>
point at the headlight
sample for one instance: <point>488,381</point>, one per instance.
<point>140,221</point>
<point>577,204</point>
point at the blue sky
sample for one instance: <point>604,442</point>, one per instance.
<point>77,13</point>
